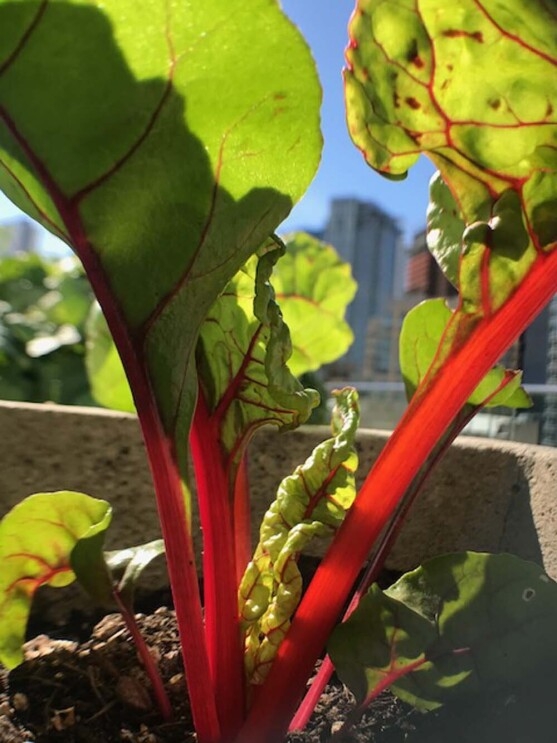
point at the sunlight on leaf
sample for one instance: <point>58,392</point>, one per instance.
<point>313,287</point>
<point>412,86</point>
<point>36,541</point>
<point>243,358</point>
<point>426,332</point>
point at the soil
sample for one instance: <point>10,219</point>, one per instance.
<point>82,682</point>
<point>96,692</point>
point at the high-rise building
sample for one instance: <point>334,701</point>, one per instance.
<point>370,240</point>
<point>424,278</point>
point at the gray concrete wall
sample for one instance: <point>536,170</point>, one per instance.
<point>485,495</point>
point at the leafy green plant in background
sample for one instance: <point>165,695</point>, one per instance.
<point>43,311</point>
<point>168,174</point>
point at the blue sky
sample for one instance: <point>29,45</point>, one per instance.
<point>343,171</point>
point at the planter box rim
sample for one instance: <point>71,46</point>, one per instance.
<point>324,431</point>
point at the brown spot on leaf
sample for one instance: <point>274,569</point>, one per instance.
<point>396,100</point>
<point>494,103</point>
<point>453,33</point>
<point>413,103</point>
<point>279,96</point>
<point>418,62</point>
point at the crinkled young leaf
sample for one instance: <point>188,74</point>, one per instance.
<point>36,541</point>
<point>243,353</point>
<point>107,378</point>
<point>427,331</point>
<point>169,167</point>
<point>310,503</point>
<point>313,288</point>
<point>459,624</point>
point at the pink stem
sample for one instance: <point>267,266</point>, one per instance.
<point>222,622</point>
<point>242,518</point>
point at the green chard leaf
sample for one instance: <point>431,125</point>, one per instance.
<point>37,538</point>
<point>427,331</point>
<point>311,503</point>
<point>313,287</point>
<point>412,87</point>
<point>168,169</point>
<point>467,623</point>
<point>103,574</point>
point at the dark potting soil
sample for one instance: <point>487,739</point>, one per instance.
<point>97,692</point>
<point>83,683</point>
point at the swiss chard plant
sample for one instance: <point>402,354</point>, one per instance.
<point>165,143</point>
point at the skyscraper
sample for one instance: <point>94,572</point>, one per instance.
<point>424,278</point>
<point>369,239</point>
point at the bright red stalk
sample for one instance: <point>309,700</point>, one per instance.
<point>180,559</point>
<point>242,518</point>
<point>222,624</point>
<point>415,438</point>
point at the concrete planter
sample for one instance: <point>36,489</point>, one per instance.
<point>485,495</point>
